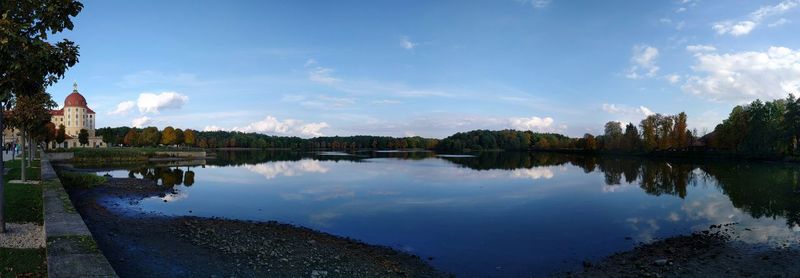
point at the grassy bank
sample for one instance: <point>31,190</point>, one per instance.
<point>23,262</point>
<point>23,204</point>
<point>119,154</point>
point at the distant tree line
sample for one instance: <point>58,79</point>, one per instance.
<point>169,136</point>
<point>658,132</point>
<point>766,128</point>
<point>760,128</point>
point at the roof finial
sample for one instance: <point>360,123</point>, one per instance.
<point>75,86</point>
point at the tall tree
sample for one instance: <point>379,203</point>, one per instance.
<point>649,136</point>
<point>631,137</point>
<point>681,139</point>
<point>61,135</point>
<point>150,136</point>
<point>83,137</point>
<point>189,138</point>
<point>29,114</point>
<point>168,136</point>
<point>28,61</point>
<point>792,123</point>
<point>131,138</point>
<point>613,134</point>
<point>179,136</point>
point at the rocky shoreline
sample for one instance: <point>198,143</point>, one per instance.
<point>711,253</point>
<point>146,245</point>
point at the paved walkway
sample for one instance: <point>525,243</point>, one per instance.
<point>7,156</point>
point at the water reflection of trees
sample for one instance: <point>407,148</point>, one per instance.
<point>761,189</point>
<point>166,176</point>
<point>656,177</point>
<point>238,158</point>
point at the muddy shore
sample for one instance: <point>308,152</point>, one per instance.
<point>711,253</point>
<point>146,245</point>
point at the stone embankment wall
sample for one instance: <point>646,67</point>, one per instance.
<point>71,250</point>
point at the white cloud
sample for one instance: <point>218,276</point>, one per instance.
<point>673,78</point>
<point>532,123</point>
<point>625,110</point>
<point>744,27</point>
<point>700,48</point>
<point>680,10</point>
<point>123,108</point>
<point>327,102</point>
<point>645,111</point>
<point>734,28</point>
<point>153,103</point>
<point>386,101</point>
<point>643,62</point>
<point>745,76</point>
<point>537,4</point>
<point>290,127</point>
<point>322,75</point>
<point>611,108</point>
<point>406,43</point>
<point>212,128</point>
<point>310,62</point>
<point>779,22</point>
<point>141,122</point>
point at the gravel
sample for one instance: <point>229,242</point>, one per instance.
<point>25,235</point>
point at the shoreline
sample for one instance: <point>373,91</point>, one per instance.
<point>147,244</point>
<point>712,252</point>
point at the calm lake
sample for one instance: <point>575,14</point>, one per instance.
<point>494,214</point>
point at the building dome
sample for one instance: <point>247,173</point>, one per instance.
<point>75,99</point>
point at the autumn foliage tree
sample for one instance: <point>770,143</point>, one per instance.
<point>29,62</point>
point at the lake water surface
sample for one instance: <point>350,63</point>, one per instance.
<point>495,214</point>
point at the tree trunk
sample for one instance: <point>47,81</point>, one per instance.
<point>2,178</point>
<point>22,163</point>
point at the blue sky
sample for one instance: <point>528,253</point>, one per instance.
<point>428,68</point>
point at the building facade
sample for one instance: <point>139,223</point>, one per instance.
<point>74,115</point>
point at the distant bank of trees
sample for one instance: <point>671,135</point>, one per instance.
<point>169,136</point>
<point>658,132</point>
<point>770,128</point>
<point>759,128</point>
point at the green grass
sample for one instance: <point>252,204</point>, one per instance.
<point>15,173</point>
<point>80,180</point>
<point>23,203</point>
<point>23,262</point>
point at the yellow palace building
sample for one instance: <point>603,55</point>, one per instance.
<point>75,115</point>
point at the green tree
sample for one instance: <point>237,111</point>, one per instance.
<point>680,133</point>
<point>30,113</point>
<point>179,136</point>
<point>649,135</point>
<point>189,138</point>
<point>28,61</point>
<point>131,138</point>
<point>83,137</point>
<point>61,135</point>
<point>791,123</point>
<point>631,138</point>
<point>613,134</point>
<point>168,136</point>
<point>150,136</point>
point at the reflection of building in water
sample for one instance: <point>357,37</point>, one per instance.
<point>75,115</point>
